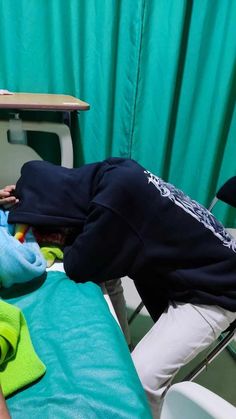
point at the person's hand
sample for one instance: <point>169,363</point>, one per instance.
<point>7,199</point>
<point>4,412</point>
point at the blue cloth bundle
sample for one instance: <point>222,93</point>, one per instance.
<point>19,262</point>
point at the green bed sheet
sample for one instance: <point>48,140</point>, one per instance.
<point>90,373</point>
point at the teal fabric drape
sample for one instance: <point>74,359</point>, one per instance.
<point>159,76</point>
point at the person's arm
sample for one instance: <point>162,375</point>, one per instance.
<point>7,199</point>
<point>106,249</point>
<point>4,413</point>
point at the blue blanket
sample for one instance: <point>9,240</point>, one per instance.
<point>19,262</point>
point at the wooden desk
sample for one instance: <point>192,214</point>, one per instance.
<point>64,104</point>
<point>39,101</point>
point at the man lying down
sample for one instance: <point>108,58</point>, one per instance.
<point>127,221</point>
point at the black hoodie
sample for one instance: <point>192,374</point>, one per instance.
<point>130,222</point>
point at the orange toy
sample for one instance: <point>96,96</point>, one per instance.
<point>20,232</point>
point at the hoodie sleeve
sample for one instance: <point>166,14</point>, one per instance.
<point>106,249</point>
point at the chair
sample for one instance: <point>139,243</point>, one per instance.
<point>221,344</point>
<point>191,401</point>
<point>226,194</point>
<point>13,156</point>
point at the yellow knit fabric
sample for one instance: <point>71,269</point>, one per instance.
<point>19,363</point>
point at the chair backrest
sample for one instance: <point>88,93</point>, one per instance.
<point>13,156</point>
<point>189,400</point>
<point>226,193</point>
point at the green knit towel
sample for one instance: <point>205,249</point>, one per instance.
<point>19,363</point>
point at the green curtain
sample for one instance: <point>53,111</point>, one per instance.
<point>159,76</point>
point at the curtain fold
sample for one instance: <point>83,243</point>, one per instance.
<point>159,76</point>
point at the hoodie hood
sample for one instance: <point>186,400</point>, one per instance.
<point>53,195</point>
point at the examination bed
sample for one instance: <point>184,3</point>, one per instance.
<point>89,371</point>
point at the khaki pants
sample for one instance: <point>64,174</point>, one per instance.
<point>116,293</point>
<point>182,332</point>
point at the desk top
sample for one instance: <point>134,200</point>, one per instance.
<point>39,101</point>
